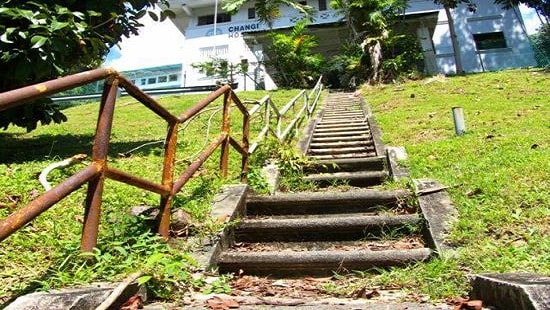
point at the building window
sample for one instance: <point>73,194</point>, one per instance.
<point>489,40</point>
<point>209,51</point>
<point>209,19</point>
<point>172,77</point>
<point>152,80</point>
<point>143,81</point>
<point>162,79</point>
<point>322,5</point>
<point>133,81</point>
<point>251,13</point>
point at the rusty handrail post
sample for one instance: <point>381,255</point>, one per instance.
<point>163,219</point>
<point>20,96</point>
<point>19,218</point>
<point>246,146</point>
<point>224,158</point>
<point>99,155</point>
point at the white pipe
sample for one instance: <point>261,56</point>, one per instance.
<point>215,22</point>
<point>458,117</point>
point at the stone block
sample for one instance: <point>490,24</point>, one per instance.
<point>438,210</point>
<point>81,298</point>
<point>517,291</point>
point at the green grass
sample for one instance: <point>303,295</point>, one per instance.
<point>498,172</point>
<point>44,254</point>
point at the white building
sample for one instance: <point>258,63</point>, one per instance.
<point>489,39</point>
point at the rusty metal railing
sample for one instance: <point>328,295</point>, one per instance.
<point>308,104</point>
<point>96,172</point>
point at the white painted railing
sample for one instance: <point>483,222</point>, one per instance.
<point>306,103</point>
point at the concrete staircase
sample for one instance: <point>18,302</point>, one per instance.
<point>318,233</point>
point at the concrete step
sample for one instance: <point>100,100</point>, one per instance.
<point>343,156</point>
<point>339,134</point>
<point>352,111</point>
<point>340,144</point>
<point>347,124</point>
<point>289,263</point>
<point>345,227</point>
<point>340,128</point>
<point>329,119</point>
<point>405,243</point>
<point>324,202</point>
<point>340,121</point>
<point>363,137</point>
<point>341,150</point>
<point>355,178</point>
<point>346,164</point>
<point>348,112</point>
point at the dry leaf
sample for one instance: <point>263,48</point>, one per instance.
<point>364,293</point>
<point>133,303</point>
<point>218,303</point>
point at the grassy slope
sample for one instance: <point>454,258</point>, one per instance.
<point>499,172</point>
<point>45,253</point>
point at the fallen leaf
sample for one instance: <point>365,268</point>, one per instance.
<point>231,303</point>
<point>280,283</point>
<point>360,293</point>
<point>311,279</point>
<point>216,303</point>
<point>473,192</point>
<point>133,303</point>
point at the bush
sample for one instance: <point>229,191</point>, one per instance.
<point>541,44</point>
<point>290,55</point>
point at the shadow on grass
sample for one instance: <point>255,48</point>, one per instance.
<point>17,150</point>
<point>69,259</point>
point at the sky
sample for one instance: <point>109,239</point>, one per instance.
<point>161,43</point>
<point>158,43</point>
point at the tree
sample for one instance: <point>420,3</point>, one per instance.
<point>292,58</point>
<point>542,7</point>
<point>221,69</point>
<point>387,52</point>
<point>448,5</point>
<point>267,10</point>
<point>42,40</point>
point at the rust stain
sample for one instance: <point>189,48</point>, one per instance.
<point>41,88</point>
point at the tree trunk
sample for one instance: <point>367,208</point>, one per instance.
<point>456,47</point>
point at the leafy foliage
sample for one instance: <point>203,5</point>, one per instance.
<point>541,42</point>
<point>221,69</point>
<point>267,11</point>
<point>541,6</point>
<point>292,57</point>
<point>386,53</point>
<point>42,40</point>
<point>345,69</point>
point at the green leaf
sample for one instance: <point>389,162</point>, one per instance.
<point>153,16</point>
<point>140,14</point>
<point>144,279</point>
<point>58,25</point>
<point>79,15</point>
<point>93,13</point>
<point>4,38</point>
<point>37,41</point>
<point>170,13</point>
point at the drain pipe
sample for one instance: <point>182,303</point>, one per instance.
<point>458,117</point>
